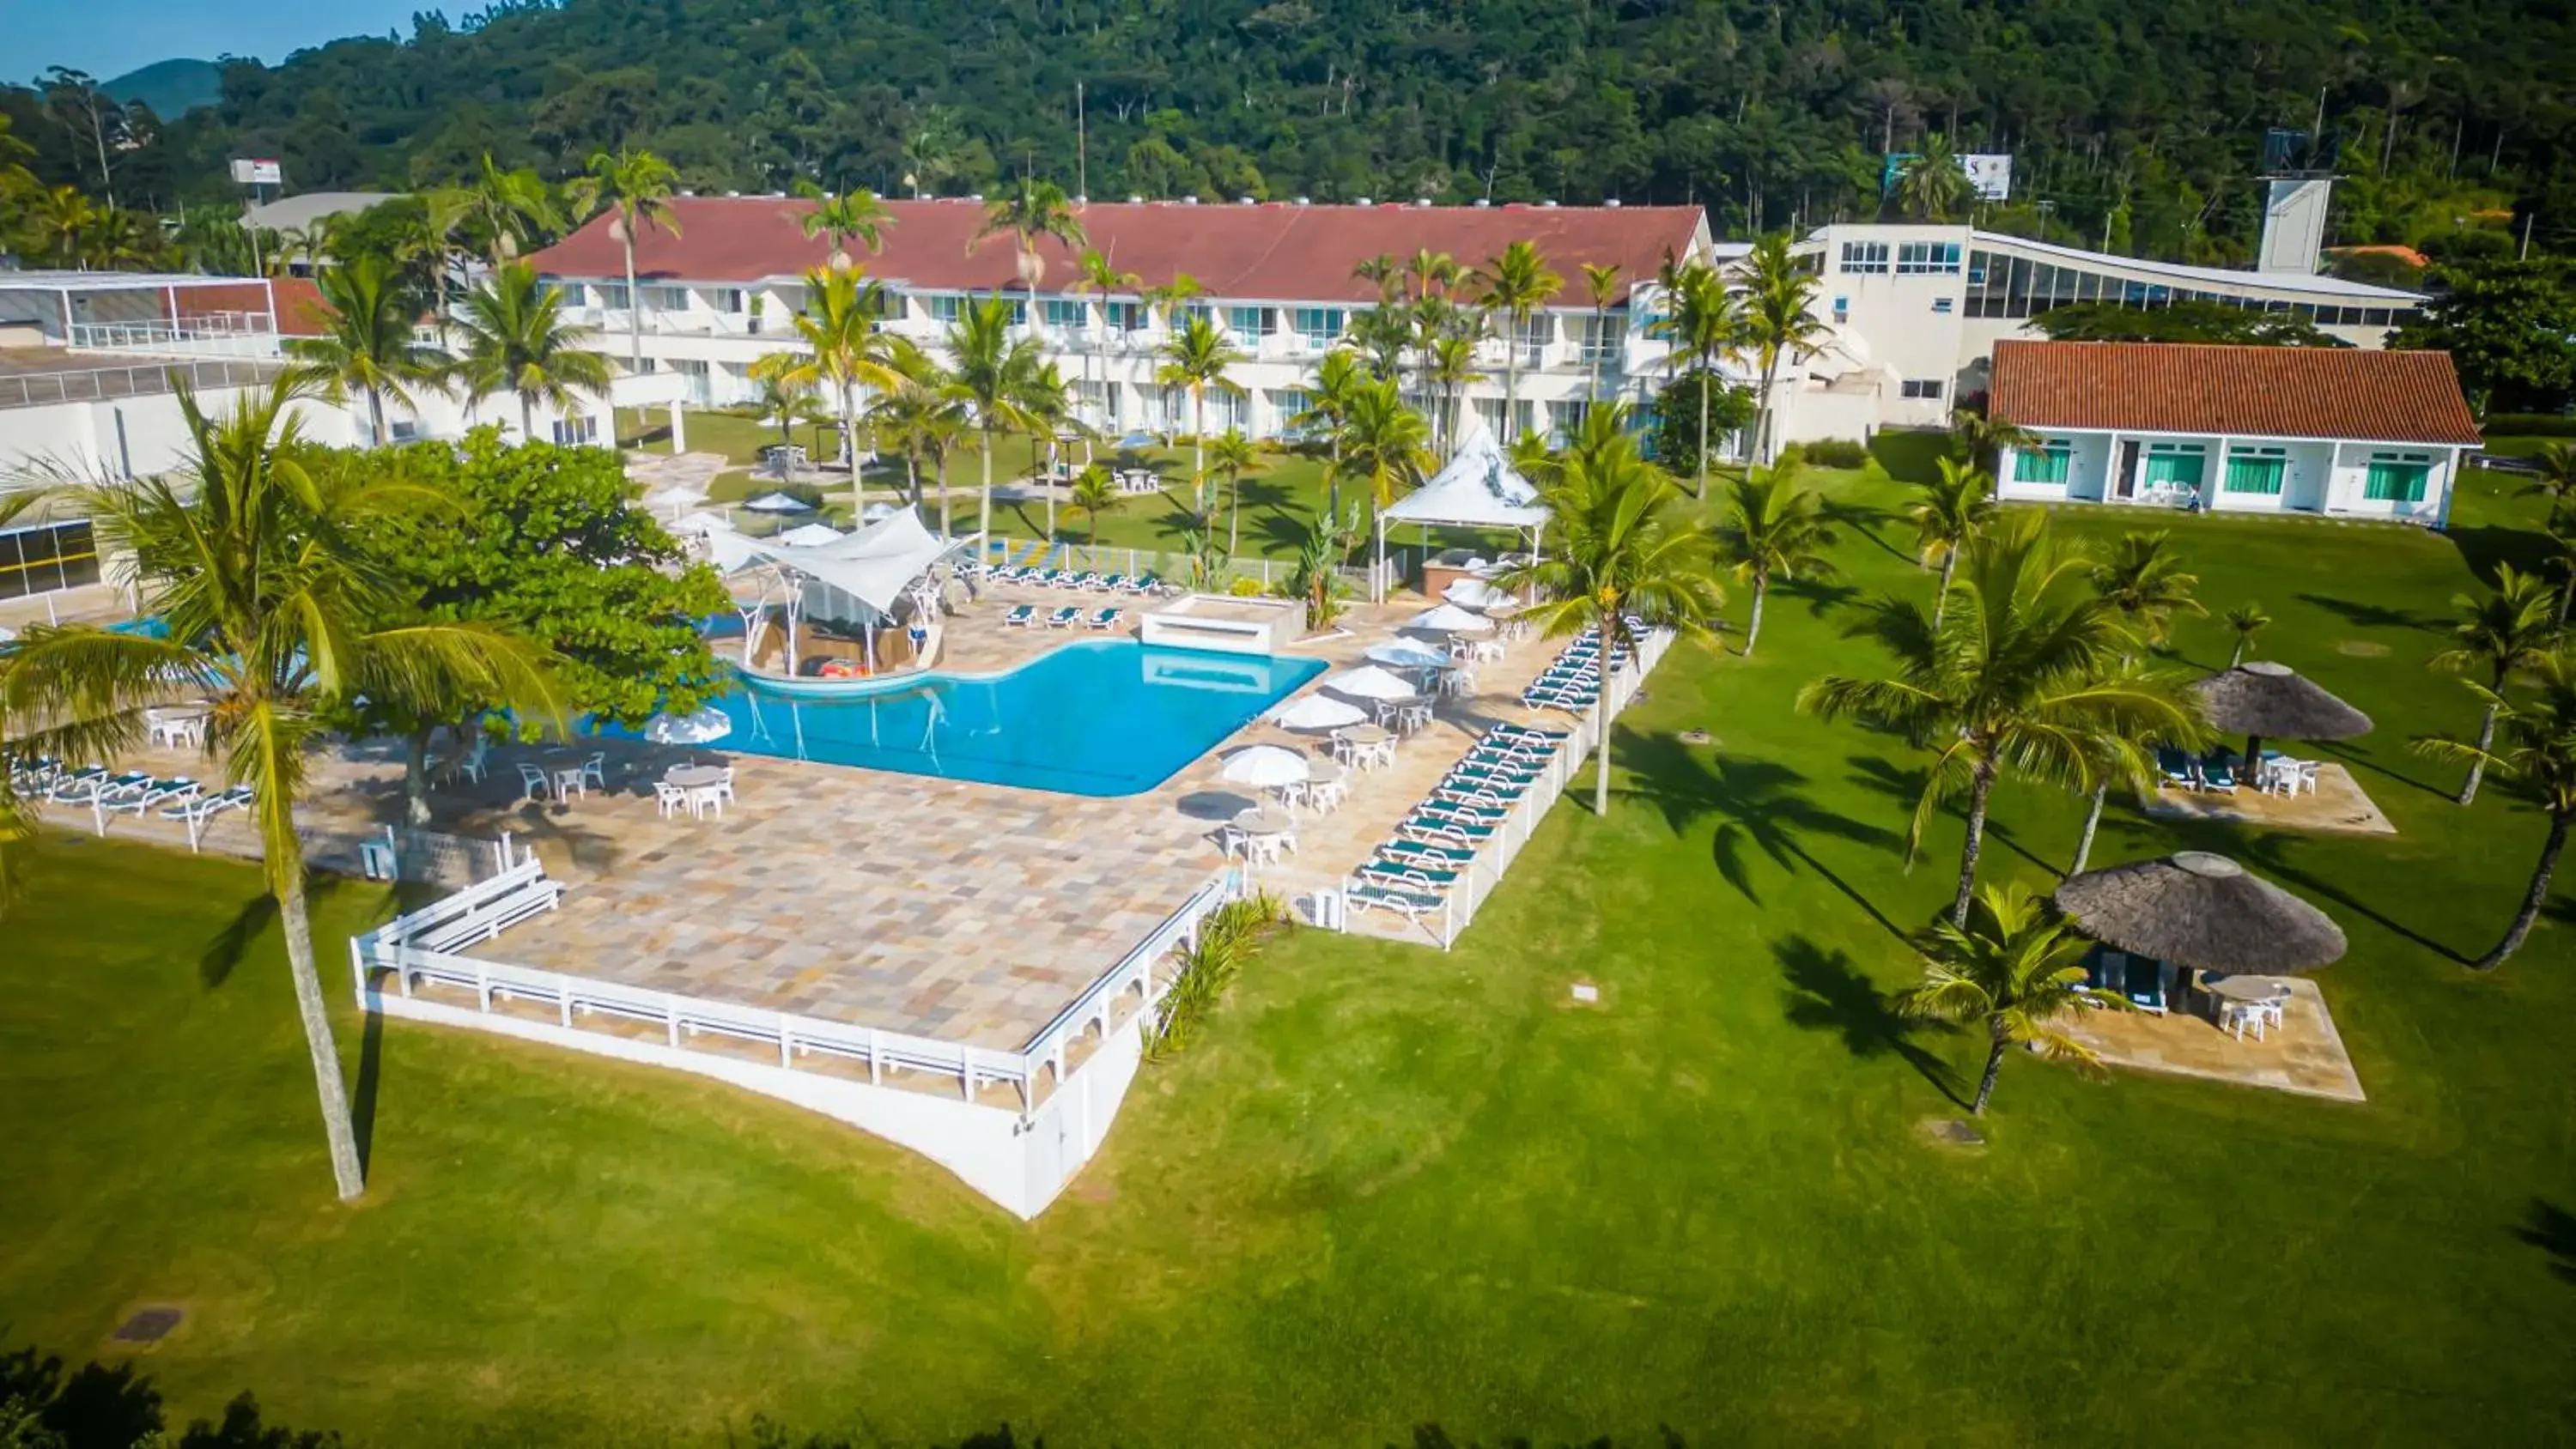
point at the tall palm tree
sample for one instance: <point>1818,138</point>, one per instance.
<point>276,616</point>
<point>444,212</point>
<point>1932,186</point>
<point>637,186</point>
<point>2017,970</point>
<point>851,216</point>
<point>1516,284</point>
<point>511,209</point>
<point>2143,579</point>
<point>514,340</point>
<point>1622,550</point>
<point>1096,275</point>
<point>845,351</point>
<point>922,416</point>
<point>2021,672</point>
<point>1773,527</point>
<point>2499,634</point>
<point>2111,759</point>
<point>2245,621</point>
<point>1947,513</point>
<point>1195,358</point>
<point>1232,455</point>
<point>1981,437</point>
<point>999,381</point>
<point>368,341</point>
<point>1338,378</point>
<point>1033,210</point>
<point>2559,537</point>
<point>1777,323</point>
<point>1385,271</point>
<point>786,394</point>
<point>1383,334</point>
<point>1382,441</point>
<point>63,219</point>
<point>1092,495</point>
<point>2540,752</point>
<point>1448,366</point>
<point>1700,320</point>
<point>1602,283</point>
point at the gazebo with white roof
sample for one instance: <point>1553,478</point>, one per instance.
<point>859,577</point>
<point>1477,490</point>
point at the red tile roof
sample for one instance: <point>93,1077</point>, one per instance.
<point>2275,392</point>
<point>300,312</point>
<point>1273,252</point>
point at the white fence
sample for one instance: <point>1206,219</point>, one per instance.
<point>214,334</point>
<point>1018,1157</point>
<point>100,384</point>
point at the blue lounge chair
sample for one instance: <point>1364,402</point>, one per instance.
<point>1088,580</point>
<point>1403,873</point>
<point>1102,619</point>
<point>1020,616</point>
<point>1444,830</point>
<point>1547,740</point>
<point>1413,905</point>
<point>1063,618</point>
<point>1424,852</point>
<point>2218,772</point>
<point>1118,584</point>
<point>2175,767</point>
<point>155,793</point>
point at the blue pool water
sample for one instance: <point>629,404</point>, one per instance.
<point>1093,717</point>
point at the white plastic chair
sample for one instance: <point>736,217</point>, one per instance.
<point>709,797</point>
<point>669,798</point>
<point>533,784</point>
<point>594,771</point>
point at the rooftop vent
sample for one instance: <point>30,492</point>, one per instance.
<point>1247,201</point>
<point>1550,205</point>
<point>1484,201</point>
<point>1301,201</point>
<point>1360,201</point>
<point>1422,201</point>
<point>733,193</point>
<point>1135,201</point>
<point>1612,203</point>
<point>1189,201</point>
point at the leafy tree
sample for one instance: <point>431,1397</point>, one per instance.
<point>2181,321</point>
<point>1773,526</point>
<point>1979,436</point>
<point>1621,550</point>
<point>2018,971</point>
<point>786,394</point>
<point>1383,442</point>
<point>1946,513</point>
<point>1776,323</point>
<point>2554,473</point>
<point>2510,328</point>
<point>1932,185</point>
<point>1195,358</point>
<point>2559,535</point>
<point>1000,384</point>
<point>1093,494</point>
<point>1516,284</point>
<point>2245,621</point>
<point>851,216</point>
<point>1701,322</point>
<point>2540,753</point>
<point>1315,579</point>
<point>367,343</point>
<point>1033,210</point>
<point>2500,633</point>
<point>2143,579</point>
<point>275,614</point>
<point>1694,412</point>
<point>2021,673</point>
<point>516,341</point>
<point>637,186</point>
<point>1449,365</point>
<point>542,541</point>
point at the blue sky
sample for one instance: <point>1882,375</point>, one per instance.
<point>111,37</point>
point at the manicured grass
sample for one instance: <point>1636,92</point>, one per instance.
<point>1394,1187</point>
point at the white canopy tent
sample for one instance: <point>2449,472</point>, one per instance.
<point>1477,490</point>
<point>859,576</point>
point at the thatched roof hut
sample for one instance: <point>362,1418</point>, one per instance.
<point>2197,909</point>
<point>2264,700</point>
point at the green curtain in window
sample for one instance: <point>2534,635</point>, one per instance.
<point>2391,482</point>
<point>2255,475</point>
<point>2041,465</point>
<point>2182,470</point>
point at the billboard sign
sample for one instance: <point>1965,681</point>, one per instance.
<point>249,172</point>
<point>1989,174</point>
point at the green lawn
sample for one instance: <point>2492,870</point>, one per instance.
<point>1393,1187</point>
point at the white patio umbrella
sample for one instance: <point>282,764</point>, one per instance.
<point>1319,712</point>
<point>778,503</point>
<point>700,522</point>
<point>1474,594</point>
<point>1450,619</point>
<point>707,724</point>
<point>807,535</point>
<point>1266,767</point>
<point>1404,654</point>
<point>875,511</point>
<point>1370,682</point>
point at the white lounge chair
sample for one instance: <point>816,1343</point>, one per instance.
<point>196,811</point>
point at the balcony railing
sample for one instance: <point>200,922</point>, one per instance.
<point>98,384</point>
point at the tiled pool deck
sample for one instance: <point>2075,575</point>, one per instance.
<point>966,912</point>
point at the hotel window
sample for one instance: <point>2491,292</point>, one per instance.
<point>1925,259</point>
<point>2252,468</point>
<point>576,432</point>
<point>1923,387</point>
<point>727,300</point>
<point>2047,463</point>
<point>1864,257</point>
<point>1842,309</point>
<point>1193,312</point>
<point>667,299</point>
<point>1320,326</point>
<point>1128,316</point>
<point>46,557</point>
<point>2176,465</point>
<point>1944,305</point>
<point>1248,321</point>
<point>612,294</point>
<point>572,293</point>
<point>945,306</point>
<point>1285,404</point>
<point>1065,311</point>
<point>2397,477</point>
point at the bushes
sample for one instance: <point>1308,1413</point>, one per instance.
<point>1826,453</point>
<point>1227,938</point>
<point>2531,425</point>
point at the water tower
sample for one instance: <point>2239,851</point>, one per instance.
<point>2298,177</point>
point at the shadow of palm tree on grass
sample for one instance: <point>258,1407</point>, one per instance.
<point>2552,1229</point>
<point>1825,993</point>
<point>2268,852</point>
<point>2364,615</point>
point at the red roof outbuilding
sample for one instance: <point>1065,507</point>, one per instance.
<point>1274,252</point>
<point>2260,392</point>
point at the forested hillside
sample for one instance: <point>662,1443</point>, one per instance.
<point>2136,124</point>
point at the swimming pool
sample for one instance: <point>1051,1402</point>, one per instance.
<point>1094,717</point>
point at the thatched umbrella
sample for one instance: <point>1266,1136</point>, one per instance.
<point>2198,909</point>
<point>2261,700</point>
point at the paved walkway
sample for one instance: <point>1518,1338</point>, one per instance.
<point>2305,1054</point>
<point>2338,804</point>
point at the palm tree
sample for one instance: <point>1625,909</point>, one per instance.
<point>275,617</point>
<point>1948,513</point>
<point>1383,334</point>
<point>1700,319</point>
<point>2017,969</point>
<point>1431,273</point>
<point>1383,441</point>
<point>844,349</point>
<point>922,416</point>
<point>1776,323</point>
<point>2110,759</point>
<point>1516,284</point>
<point>2144,581</point>
<point>1449,364</point>
<point>1093,494</point>
<point>1932,185</point>
<point>444,213</point>
<point>2245,621</point>
<point>1774,527</point>
<point>852,216</point>
<point>1096,275</point>
<point>1196,357</point>
<point>2554,472</point>
<point>1602,283</point>
<point>1233,455</point>
<point>63,219</point>
<point>2539,751</point>
<point>2020,673</point>
<point>2498,635</point>
<point>638,187</point>
<point>999,380</point>
<point>786,394</point>
<point>515,340</point>
<point>1034,210</point>
<point>1981,437</point>
<point>368,342</point>
<point>2559,536</point>
<point>1622,549</point>
<point>1338,378</point>
<point>511,209</point>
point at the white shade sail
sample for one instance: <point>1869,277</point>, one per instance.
<point>1450,619</point>
<point>810,535</point>
<point>1475,594</point>
<point>1477,490</point>
<point>1370,682</point>
<point>1319,712</point>
<point>778,503</point>
<point>1265,767</point>
<point>873,565</point>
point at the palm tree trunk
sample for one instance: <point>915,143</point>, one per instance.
<point>1601,738</point>
<point>984,500</point>
<point>2566,596</point>
<point>1233,513</point>
<point>2533,898</point>
<point>2092,822</point>
<point>1753,627</point>
<point>2478,764</point>
<point>1701,488</point>
<point>634,309</point>
<point>1762,409</point>
<point>2236,656</point>
<point>1050,492</point>
<point>944,530</point>
<point>376,417</point>
<point>912,478</point>
<point>850,437</point>
<point>1198,441</point>
<point>1949,566</point>
<point>416,775</point>
<point>1600,323</point>
<point>286,876</point>
<point>1996,1045</point>
<point>1512,382</point>
<point>527,419</point>
<point>1983,787</point>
